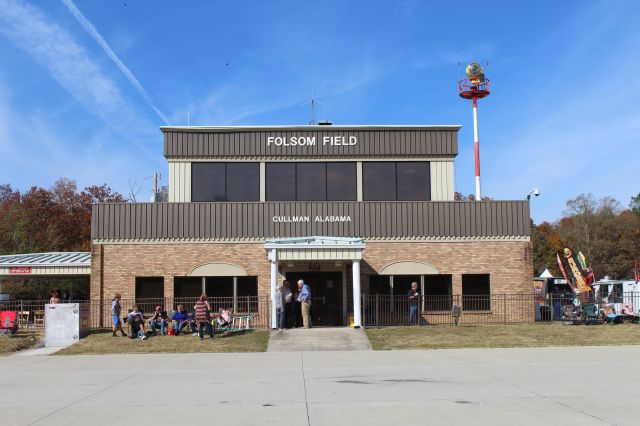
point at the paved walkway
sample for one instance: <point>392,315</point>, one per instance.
<point>538,386</point>
<point>319,339</point>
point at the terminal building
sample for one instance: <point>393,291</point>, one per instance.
<point>352,210</point>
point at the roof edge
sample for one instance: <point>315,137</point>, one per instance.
<point>314,128</point>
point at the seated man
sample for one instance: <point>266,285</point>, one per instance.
<point>159,321</point>
<point>135,323</point>
<point>181,319</point>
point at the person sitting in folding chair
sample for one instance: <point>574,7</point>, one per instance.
<point>627,310</point>
<point>224,318</point>
<point>159,321</point>
<point>182,319</point>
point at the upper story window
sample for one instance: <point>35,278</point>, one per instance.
<point>225,182</point>
<point>311,181</point>
<point>396,181</point>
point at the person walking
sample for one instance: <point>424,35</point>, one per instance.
<point>116,310</point>
<point>414,298</point>
<point>280,312</point>
<point>202,315</point>
<point>288,303</point>
<point>304,297</point>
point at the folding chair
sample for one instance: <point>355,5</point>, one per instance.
<point>8,323</point>
<point>23,318</point>
<point>591,313</point>
<point>38,319</point>
<point>627,310</point>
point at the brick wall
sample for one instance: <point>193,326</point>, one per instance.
<point>509,263</point>
<point>115,266</point>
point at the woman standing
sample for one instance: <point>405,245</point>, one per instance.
<point>203,319</point>
<point>55,298</point>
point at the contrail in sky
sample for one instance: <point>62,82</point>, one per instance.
<point>88,26</point>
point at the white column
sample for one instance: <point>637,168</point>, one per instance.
<point>344,295</point>
<point>204,285</point>
<point>274,282</point>
<point>357,310</point>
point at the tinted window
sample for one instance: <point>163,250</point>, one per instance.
<point>225,182</point>
<point>379,181</point>
<point>247,286</point>
<point>280,181</point>
<point>413,181</point>
<point>219,287</point>
<point>341,182</point>
<point>402,284</point>
<point>437,291</point>
<point>208,182</point>
<point>187,287</point>
<point>311,182</point>
<point>243,182</point>
<point>476,292</point>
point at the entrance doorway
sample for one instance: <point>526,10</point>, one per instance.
<point>326,296</point>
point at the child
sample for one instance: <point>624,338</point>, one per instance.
<point>116,309</point>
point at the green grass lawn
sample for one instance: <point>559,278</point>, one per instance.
<point>502,336</point>
<point>16,343</point>
<point>104,343</point>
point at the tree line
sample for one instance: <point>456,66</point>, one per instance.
<point>605,232</point>
<point>53,219</point>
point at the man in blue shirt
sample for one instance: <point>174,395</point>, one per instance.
<point>304,297</point>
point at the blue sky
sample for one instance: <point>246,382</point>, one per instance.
<point>84,85</point>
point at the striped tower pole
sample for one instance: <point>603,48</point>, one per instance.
<point>476,146</point>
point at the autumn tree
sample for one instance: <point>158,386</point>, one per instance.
<point>608,236</point>
<point>54,219</point>
<point>634,205</point>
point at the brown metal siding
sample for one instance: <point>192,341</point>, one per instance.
<point>242,143</point>
<point>121,221</point>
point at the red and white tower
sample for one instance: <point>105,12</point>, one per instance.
<point>475,87</point>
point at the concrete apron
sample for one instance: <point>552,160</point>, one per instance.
<point>319,339</point>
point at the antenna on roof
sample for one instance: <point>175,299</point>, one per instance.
<point>313,110</point>
<point>313,103</point>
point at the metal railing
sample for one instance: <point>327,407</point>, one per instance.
<point>381,310</point>
<point>393,310</point>
<point>31,312</point>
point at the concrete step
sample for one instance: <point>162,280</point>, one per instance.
<point>319,339</point>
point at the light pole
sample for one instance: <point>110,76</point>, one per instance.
<point>475,87</point>
<point>534,191</point>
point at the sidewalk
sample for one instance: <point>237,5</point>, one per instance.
<point>319,339</point>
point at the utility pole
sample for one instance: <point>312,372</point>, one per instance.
<point>155,187</point>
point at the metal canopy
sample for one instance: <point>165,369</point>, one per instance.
<point>51,264</point>
<point>315,242</point>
